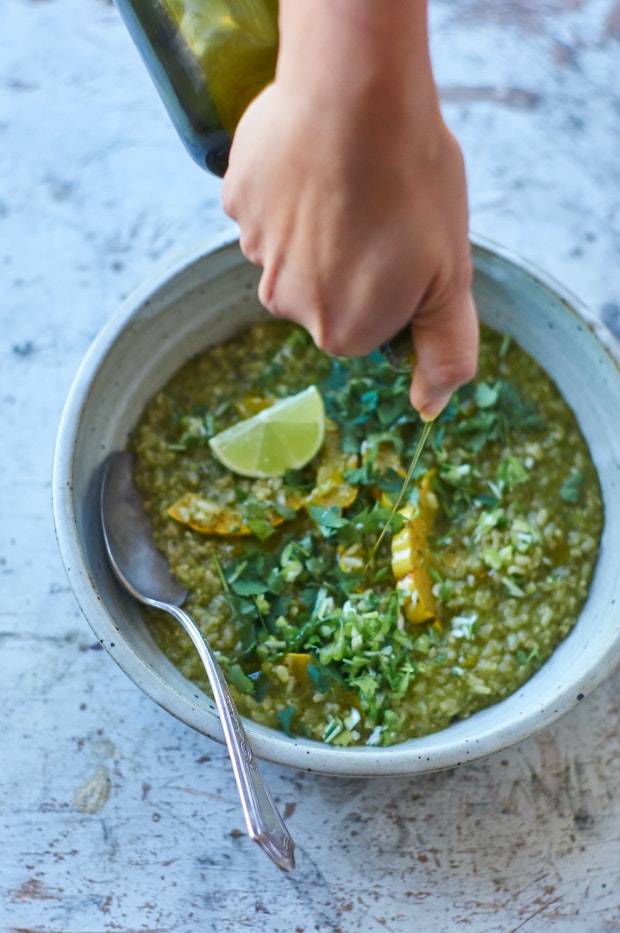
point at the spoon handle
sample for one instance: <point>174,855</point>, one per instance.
<point>263,821</point>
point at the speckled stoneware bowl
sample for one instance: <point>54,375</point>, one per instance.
<point>211,296</point>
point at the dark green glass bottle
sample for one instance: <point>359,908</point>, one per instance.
<point>209,59</point>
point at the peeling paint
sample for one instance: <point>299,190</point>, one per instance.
<point>34,890</point>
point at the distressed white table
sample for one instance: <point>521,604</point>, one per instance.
<point>113,816</point>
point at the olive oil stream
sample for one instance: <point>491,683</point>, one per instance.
<point>403,489</point>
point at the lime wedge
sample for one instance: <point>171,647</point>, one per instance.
<point>285,436</point>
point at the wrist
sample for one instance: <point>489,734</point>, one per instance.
<point>351,56</point>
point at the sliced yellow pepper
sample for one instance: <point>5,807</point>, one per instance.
<point>297,665</point>
<point>207,517</point>
<point>251,405</point>
<point>410,553</point>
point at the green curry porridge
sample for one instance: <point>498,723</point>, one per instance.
<point>483,571</point>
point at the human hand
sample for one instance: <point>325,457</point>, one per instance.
<point>350,193</point>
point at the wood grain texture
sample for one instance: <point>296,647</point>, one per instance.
<point>113,816</point>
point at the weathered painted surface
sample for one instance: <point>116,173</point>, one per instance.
<point>114,817</point>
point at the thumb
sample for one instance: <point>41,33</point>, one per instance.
<point>446,341</point>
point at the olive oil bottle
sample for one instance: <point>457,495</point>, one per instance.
<point>208,59</point>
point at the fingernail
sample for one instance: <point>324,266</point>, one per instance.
<point>432,409</point>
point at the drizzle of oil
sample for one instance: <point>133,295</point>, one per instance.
<point>426,430</point>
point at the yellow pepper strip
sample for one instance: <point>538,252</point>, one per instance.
<point>251,405</point>
<point>297,665</point>
<point>207,517</point>
<point>419,603</point>
<point>331,490</point>
<point>410,551</point>
<point>294,665</point>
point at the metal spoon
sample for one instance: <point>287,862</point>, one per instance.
<point>144,572</point>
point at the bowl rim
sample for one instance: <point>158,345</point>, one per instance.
<point>414,756</point>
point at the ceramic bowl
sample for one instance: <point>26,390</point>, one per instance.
<point>206,299</point>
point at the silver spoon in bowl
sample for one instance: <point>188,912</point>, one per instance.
<point>143,570</point>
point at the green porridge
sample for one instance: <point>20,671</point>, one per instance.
<point>483,571</point>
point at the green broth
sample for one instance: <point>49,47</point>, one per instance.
<point>313,637</point>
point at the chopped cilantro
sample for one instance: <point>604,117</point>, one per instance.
<point>319,678</point>
<point>511,472</point>
<point>285,717</point>
<point>240,680</point>
<point>570,490</point>
<point>328,519</point>
<point>487,394</point>
<point>492,412</point>
<point>260,683</point>
<point>525,657</point>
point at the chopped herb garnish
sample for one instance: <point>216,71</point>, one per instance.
<point>319,678</point>
<point>285,717</point>
<point>328,519</point>
<point>525,657</point>
<point>240,680</point>
<point>570,490</point>
<point>332,639</point>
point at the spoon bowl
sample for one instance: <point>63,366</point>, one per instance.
<point>143,570</point>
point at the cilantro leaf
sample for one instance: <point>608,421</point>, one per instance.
<point>239,679</point>
<point>318,677</point>
<point>570,490</point>
<point>327,518</point>
<point>249,586</point>
<point>285,717</point>
<point>487,395</point>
